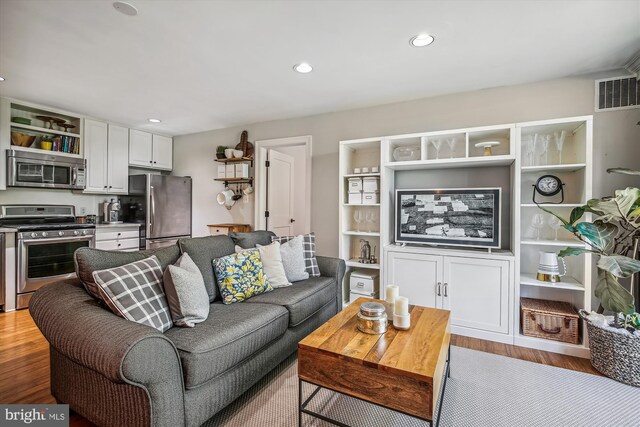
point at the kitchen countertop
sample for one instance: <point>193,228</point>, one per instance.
<point>7,230</point>
<point>124,224</point>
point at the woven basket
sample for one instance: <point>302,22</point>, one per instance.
<point>551,320</point>
<point>614,355</point>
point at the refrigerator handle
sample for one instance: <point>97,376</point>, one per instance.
<point>153,209</point>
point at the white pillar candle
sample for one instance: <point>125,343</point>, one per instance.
<point>401,306</point>
<point>391,292</point>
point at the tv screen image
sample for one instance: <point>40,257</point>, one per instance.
<point>459,217</point>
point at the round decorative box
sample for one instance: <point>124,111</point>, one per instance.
<point>372,318</point>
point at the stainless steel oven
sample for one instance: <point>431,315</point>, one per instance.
<point>27,169</point>
<point>46,240</point>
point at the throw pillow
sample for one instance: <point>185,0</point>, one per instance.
<point>134,291</point>
<point>186,293</point>
<point>309,244</point>
<point>241,276</point>
<point>272,263</point>
<point>293,260</point>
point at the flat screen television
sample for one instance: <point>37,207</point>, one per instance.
<point>449,216</point>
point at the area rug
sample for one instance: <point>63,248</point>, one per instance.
<point>484,390</point>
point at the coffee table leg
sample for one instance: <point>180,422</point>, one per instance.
<point>299,402</point>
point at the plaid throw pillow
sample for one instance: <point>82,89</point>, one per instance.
<point>134,291</point>
<point>309,248</point>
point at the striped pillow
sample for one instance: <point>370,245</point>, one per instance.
<point>309,250</point>
<point>134,291</point>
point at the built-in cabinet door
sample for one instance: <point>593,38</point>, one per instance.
<point>140,148</point>
<point>418,276</point>
<point>95,151</point>
<point>118,164</point>
<point>162,152</point>
<point>477,293</point>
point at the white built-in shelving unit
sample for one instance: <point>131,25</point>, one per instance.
<point>514,265</point>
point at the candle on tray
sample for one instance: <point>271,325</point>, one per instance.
<point>391,293</point>
<point>401,306</point>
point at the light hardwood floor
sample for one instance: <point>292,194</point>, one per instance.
<point>24,360</point>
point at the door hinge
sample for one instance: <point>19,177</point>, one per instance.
<point>266,214</point>
<point>267,163</point>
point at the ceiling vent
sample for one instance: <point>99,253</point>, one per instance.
<point>618,93</point>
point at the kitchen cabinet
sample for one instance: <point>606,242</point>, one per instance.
<point>150,151</point>
<point>121,237</point>
<point>106,146</point>
<point>476,290</point>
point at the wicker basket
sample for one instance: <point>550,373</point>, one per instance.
<point>614,355</point>
<point>552,320</point>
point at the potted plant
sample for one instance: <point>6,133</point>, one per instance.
<point>613,236</point>
<point>220,151</point>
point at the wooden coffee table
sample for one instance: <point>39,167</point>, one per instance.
<point>401,370</point>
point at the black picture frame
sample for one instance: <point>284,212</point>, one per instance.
<point>488,221</point>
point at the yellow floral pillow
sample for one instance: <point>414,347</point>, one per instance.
<point>240,276</point>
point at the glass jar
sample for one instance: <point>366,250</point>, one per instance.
<point>372,318</point>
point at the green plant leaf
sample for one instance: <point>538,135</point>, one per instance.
<point>598,234</point>
<point>613,296</point>
<point>615,207</point>
<point>575,251</point>
<point>576,214</point>
<point>619,266</point>
<point>625,171</point>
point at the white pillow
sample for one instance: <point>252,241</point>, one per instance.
<point>292,253</point>
<point>271,264</point>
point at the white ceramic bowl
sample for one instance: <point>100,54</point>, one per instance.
<point>228,153</point>
<point>237,153</point>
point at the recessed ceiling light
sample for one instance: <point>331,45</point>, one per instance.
<point>154,120</point>
<point>1,79</point>
<point>421,40</point>
<point>303,68</point>
<point>125,8</point>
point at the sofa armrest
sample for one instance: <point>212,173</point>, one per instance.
<point>121,350</point>
<point>335,268</point>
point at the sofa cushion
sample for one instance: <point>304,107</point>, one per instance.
<point>134,291</point>
<point>250,240</point>
<point>231,334</point>
<point>187,297</point>
<point>240,276</point>
<point>88,260</point>
<point>309,251</point>
<point>302,299</point>
<point>203,250</point>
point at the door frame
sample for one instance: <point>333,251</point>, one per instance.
<point>261,148</point>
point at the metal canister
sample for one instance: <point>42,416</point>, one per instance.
<point>372,318</point>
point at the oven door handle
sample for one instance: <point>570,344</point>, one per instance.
<point>58,239</point>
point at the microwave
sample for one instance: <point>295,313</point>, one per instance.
<point>28,169</point>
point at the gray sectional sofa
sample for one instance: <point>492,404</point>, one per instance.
<point>115,372</point>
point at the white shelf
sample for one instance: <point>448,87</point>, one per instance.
<point>356,263</point>
<point>578,350</point>
<point>360,204</point>
<point>362,233</point>
<point>361,175</point>
<point>552,205</point>
<point>570,283</point>
<point>41,151</point>
<point>461,162</point>
<point>44,130</point>
<point>563,243</point>
<point>555,168</point>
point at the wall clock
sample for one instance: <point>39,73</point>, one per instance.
<point>548,186</point>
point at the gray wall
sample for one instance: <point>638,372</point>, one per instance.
<point>616,142</point>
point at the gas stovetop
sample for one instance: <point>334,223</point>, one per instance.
<point>43,221</point>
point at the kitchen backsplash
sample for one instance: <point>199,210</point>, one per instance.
<point>55,197</point>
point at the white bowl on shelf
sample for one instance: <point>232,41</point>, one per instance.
<point>405,154</point>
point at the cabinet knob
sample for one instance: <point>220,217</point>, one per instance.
<point>105,186</point>
<point>150,161</point>
<point>155,161</point>
<point>110,187</point>
<point>439,289</point>
<point>119,234</point>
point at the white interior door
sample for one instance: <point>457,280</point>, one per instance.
<point>280,182</point>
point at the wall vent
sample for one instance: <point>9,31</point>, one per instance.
<point>617,93</point>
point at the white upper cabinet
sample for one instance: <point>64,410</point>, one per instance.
<point>96,136</point>
<point>117,166</point>
<point>162,152</point>
<point>106,152</point>
<point>140,148</point>
<point>150,151</point>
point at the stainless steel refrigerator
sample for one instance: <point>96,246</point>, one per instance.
<point>162,203</point>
